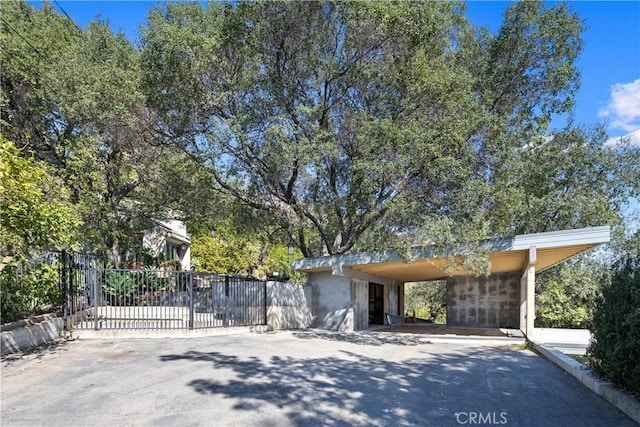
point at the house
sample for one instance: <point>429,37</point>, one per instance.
<point>168,240</point>
<point>354,291</point>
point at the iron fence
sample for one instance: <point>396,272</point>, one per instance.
<point>107,298</point>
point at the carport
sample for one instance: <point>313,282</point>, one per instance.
<point>347,289</point>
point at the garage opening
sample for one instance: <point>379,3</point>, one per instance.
<point>427,299</point>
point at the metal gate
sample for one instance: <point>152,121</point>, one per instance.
<point>95,297</point>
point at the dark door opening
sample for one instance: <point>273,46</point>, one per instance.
<point>376,304</point>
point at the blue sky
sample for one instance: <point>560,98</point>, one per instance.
<point>609,64</point>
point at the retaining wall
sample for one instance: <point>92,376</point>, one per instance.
<point>24,334</point>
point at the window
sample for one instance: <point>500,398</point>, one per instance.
<point>170,252</point>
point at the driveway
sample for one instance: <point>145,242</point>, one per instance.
<point>294,378</point>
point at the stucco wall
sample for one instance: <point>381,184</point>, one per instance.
<point>361,303</point>
<point>392,305</point>
<point>288,306</point>
<point>331,301</point>
<point>25,334</point>
<point>342,303</point>
<point>492,301</point>
<point>156,237</point>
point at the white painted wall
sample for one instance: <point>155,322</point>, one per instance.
<point>176,226</point>
<point>177,234</point>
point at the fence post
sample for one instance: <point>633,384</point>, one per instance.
<point>63,283</point>
<point>191,303</point>
<point>226,301</point>
<point>95,303</point>
<point>265,302</point>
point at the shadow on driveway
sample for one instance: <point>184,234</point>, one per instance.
<point>39,352</point>
<point>350,388</point>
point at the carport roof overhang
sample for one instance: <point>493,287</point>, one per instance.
<point>511,254</point>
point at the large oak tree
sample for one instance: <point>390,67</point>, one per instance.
<point>352,122</point>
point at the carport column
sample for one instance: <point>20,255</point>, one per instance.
<point>528,293</point>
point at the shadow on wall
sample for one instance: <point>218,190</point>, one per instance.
<point>287,306</point>
<point>354,389</point>
<point>25,334</point>
<point>338,320</point>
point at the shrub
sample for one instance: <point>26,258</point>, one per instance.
<point>556,309</point>
<point>27,289</point>
<point>120,288</point>
<point>567,294</point>
<point>615,349</point>
<point>427,299</point>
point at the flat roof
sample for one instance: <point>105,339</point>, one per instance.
<point>508,254</point>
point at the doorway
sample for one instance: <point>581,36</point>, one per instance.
<point>376,304</point>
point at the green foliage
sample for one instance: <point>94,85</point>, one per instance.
<point>427,299</point>
<point>278,260</point>
<point>337,126</point>
<point>556,309</point>
<point>120,288</point>
<point>172,264</point>
<point>27,289</point>
<point>72,98</point>
<point>567,294</point>
<point>578,182</point>
<point>237,248</point>
<point>34,206</point>
<point>228,252</point>
<point>615,349</point>
<point>352,124</point>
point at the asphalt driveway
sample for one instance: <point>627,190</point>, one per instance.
<point>293,378</point>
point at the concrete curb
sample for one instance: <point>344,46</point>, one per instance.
<point>25,334</point>
<point>165,333</point>
<point>618,398</point>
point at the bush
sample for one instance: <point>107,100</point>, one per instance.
<point>427,299</point>
<point>615,350</point>
<point>556,309</point>
<point>27,289</point>
<point>566,295</point>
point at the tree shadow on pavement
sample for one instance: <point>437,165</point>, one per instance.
<point>36,353</point>
<point>349,388</point>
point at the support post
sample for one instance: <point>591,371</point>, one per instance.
<point>523,303</point>
<point>528,293</point>
<point>531,298</point>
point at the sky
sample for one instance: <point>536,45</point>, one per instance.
<point>609,63</point>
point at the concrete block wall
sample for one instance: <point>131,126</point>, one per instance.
<point>492,301</point>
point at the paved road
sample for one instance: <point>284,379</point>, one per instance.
<point>293,378</point>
